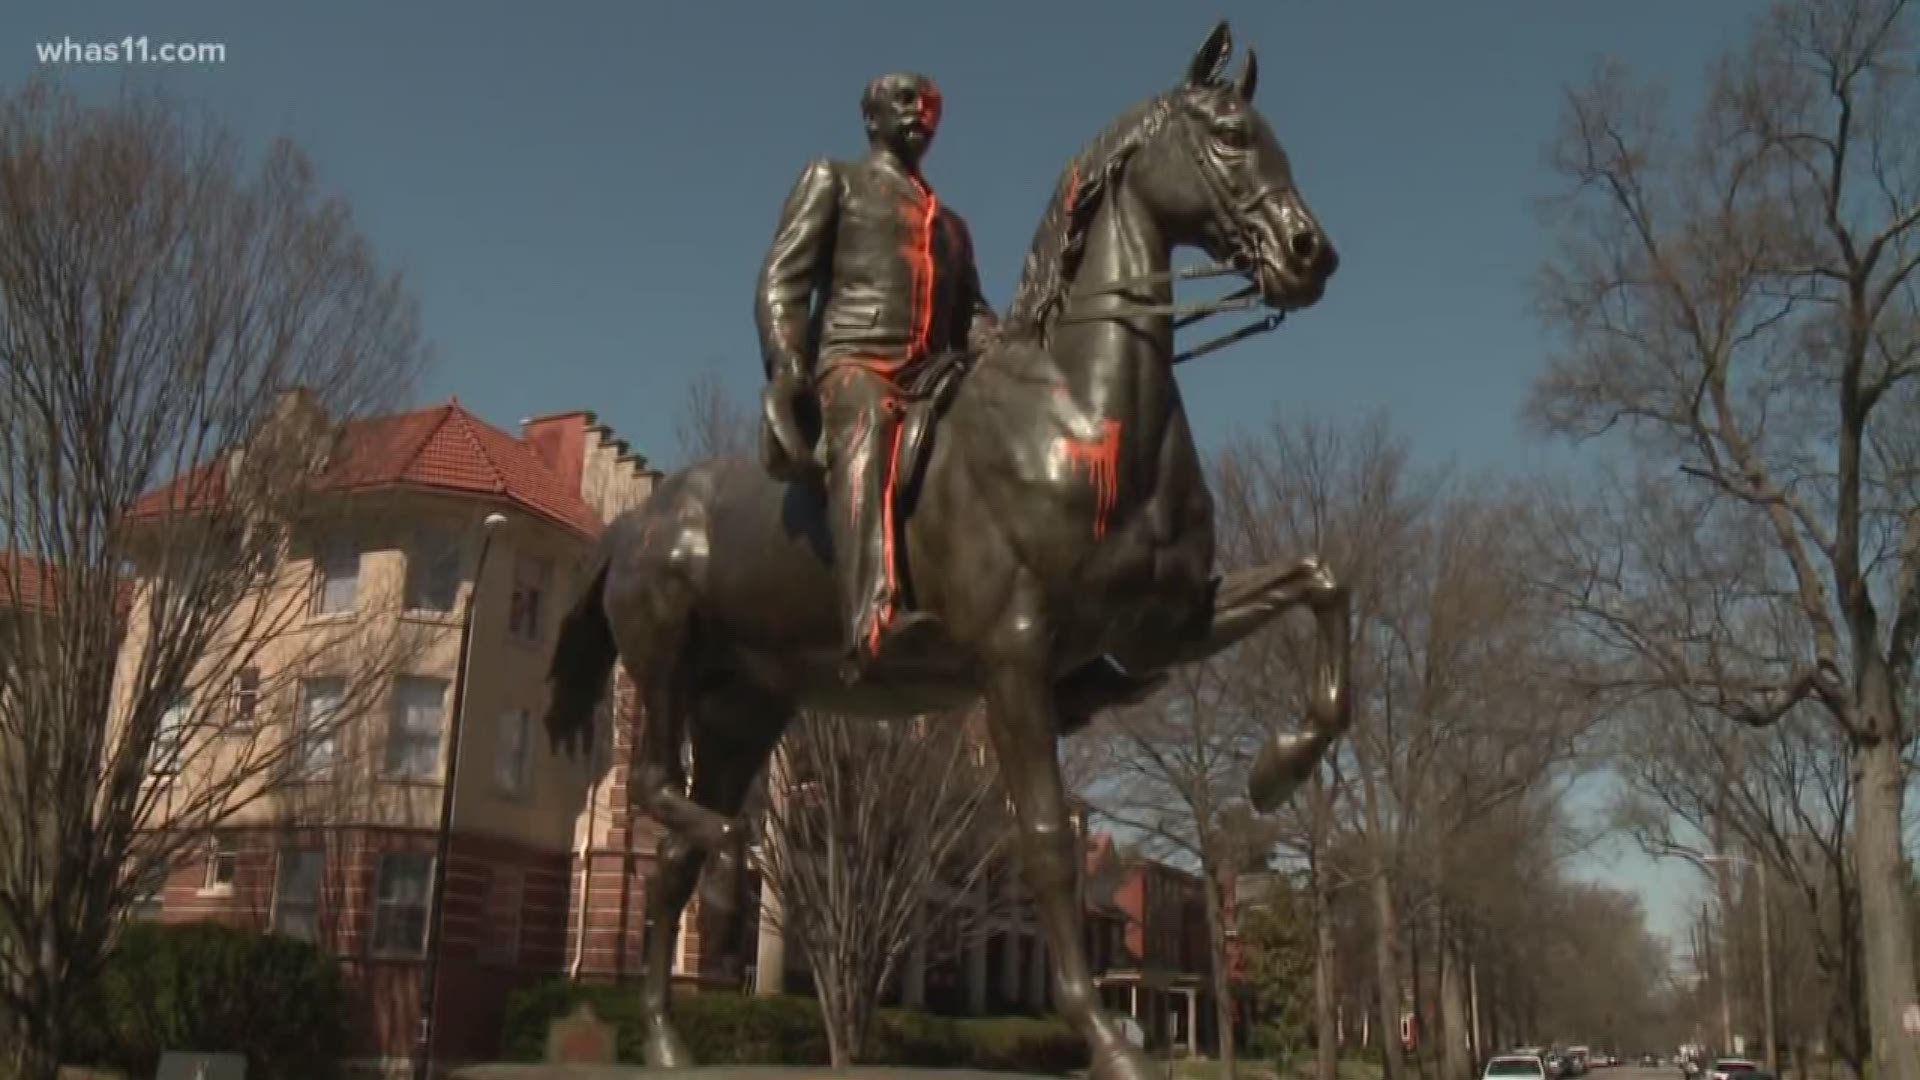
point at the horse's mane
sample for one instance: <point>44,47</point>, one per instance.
<point>1060,239</point>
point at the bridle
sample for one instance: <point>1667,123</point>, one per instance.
<point>1229,215</point>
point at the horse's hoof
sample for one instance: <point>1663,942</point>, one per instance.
<point>1284,764</point>
<point>663,1048</point>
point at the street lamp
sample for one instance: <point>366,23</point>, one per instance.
<point>443,840</point>
<point>1766,952</point>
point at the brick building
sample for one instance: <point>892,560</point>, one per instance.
<point>1147,946</point>
<point>546,862</point>
<point>343,853</point>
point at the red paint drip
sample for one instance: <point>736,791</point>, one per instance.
<point>1101,460</point>
<point>922,256</point>
<point>889,557</point>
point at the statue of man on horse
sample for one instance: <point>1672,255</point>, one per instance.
<point>1057,524</point>
<point>869,278</point>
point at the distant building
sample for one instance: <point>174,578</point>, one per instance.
<point>1147,946</point>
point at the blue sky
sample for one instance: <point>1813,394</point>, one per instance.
<point>580,192</point>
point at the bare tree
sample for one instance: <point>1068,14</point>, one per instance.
<point>1743,299</point>
<point>182,334</point>
<point>1786,795</point>
<point>881,830</point>
<point>715,423</point>
<point>1174,773</point>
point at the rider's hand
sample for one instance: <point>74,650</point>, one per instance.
<point>779,402</point>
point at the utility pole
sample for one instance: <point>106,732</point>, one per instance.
<point>443,840</point>
<point>1766,967</point>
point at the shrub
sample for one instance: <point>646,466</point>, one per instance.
<point>278,1001</point>
<point>1022,1044</point>
<point>734,1029</point>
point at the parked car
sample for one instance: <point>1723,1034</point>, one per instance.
<point>1516,1067</point>
<point>1730,1068</point>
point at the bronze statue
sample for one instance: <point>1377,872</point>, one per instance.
<point>1054,521</point>
<point>894,273</point>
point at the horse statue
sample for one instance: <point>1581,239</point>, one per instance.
<point>1059,529</point>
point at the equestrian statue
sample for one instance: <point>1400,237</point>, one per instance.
<point>1027,488</point>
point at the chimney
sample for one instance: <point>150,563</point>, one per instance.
<point>561,441</point>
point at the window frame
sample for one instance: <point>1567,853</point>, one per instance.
<point>381,907</point>
<point>275,909</point>
<point>402,737</point>
<point>220,849</point>
<point>303,767</point>
<point>441,543</point>
<point>332,554</point>
<point>520,723</point>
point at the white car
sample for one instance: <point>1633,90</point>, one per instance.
<point>1731,1068</point>
<point>1516,1067</point>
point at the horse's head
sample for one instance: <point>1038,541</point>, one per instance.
<point>1217,179</point>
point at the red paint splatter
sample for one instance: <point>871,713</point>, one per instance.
<point>919,255</point>
<point>889,557</point>
<point>1101,459</point>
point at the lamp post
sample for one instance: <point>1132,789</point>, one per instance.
<point>1766,952</point>
<point>449,773</point>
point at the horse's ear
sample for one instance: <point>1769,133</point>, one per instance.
<point>1249,77</point>
<point>1211,61</point>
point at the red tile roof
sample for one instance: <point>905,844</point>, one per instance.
<point>443,448</point>
<point>25,584</point>
<point>33,585</point>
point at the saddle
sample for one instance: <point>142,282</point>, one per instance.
<point>925,394</point>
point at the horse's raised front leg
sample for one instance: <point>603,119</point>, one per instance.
<point>1022,723</point>
<point>1248,601</point>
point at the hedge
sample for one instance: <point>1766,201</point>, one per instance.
<point>735,1029</point>
<point>278,1001</point>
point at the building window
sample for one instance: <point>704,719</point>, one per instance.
<point>400,903</point>
<point>529,587</point>
<point>149,894</point>
<point>246,698</point>
<point>336,571</point>
<point>510,752</point>
<point>169,739</point>
<point>506,886</point>
<point>223,864</point>
<point>296,894</point>
<point>433,572</point>
<point>318,747</point>
<point>419,715</point>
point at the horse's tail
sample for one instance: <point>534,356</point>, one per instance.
<point>583,657</point>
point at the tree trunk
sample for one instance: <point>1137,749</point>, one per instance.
<point>1893,1014</point>
<point>1455,1055</point>
<point>1325,955</point>
<point>1223,1000</point>
<point>1386,953</point>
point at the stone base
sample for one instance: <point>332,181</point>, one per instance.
<point>725,1072</point>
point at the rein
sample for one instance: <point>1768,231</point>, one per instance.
<point>1228,212</point>
<point>1185,315</point>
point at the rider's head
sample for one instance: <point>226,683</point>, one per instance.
<point>902,111</point>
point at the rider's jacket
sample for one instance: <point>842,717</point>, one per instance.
<point>896,268</point>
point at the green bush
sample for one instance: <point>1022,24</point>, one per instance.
<point>205,986</point>
<point>1023,1044</point>
<point>732,1029</point>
